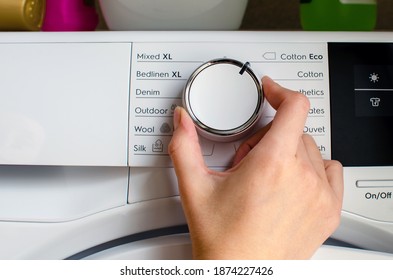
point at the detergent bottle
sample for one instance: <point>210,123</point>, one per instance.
<point>21,14</point>
<point>338,15</point>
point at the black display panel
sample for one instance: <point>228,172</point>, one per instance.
<point>361,99</point>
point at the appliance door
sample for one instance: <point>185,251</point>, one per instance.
<point>178,246</point>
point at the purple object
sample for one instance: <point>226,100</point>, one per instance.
<point>70,15</point>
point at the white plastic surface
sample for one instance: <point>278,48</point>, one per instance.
<point>373,202</point>
<point>152,183</point>
<point>61,240</point>
<point>171,247</point>
<point>174,247</point>
<point>64,103</point>
<point>59,194</point>
<point>365,233</point>
<point>327,252</point>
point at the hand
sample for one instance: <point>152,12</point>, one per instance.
<point>280,200</point>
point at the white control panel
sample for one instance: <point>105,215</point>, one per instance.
<point>159,73</point>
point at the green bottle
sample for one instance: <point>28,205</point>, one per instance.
<point>338,15</point>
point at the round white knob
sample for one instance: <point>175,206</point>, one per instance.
<point>224,98</point>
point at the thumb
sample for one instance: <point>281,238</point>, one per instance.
<point>185,152</point>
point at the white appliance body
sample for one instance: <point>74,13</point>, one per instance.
<point>86,118</point>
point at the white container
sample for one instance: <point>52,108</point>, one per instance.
<point>173,14</point>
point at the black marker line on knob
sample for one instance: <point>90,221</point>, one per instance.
<point>244,68</point>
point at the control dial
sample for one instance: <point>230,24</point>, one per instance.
<point>224,98</point>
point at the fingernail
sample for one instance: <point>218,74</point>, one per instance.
<point>176,117</point>
<point>267,79</point>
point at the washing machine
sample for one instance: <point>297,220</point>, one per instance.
<point>86,118</point>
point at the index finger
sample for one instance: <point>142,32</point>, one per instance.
<point>292,111</point>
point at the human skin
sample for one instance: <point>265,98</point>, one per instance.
<point>279,200</point>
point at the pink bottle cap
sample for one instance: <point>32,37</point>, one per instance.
<point>70,15</point>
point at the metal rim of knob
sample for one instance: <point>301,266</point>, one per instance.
<point>235,133</point>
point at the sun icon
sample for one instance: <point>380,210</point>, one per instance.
<point>374,77</point>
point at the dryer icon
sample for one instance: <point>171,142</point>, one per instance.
<point>375,101</point>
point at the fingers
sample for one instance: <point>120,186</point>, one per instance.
<point>185,151</point>
<point>329,170</point>
<point>335,176</point>
<point>288,123</point>
<point>249,144</point>
<point>314,155</point>
<point>292,111</point>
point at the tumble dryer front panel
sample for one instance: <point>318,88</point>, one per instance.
<point>86,118</point>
